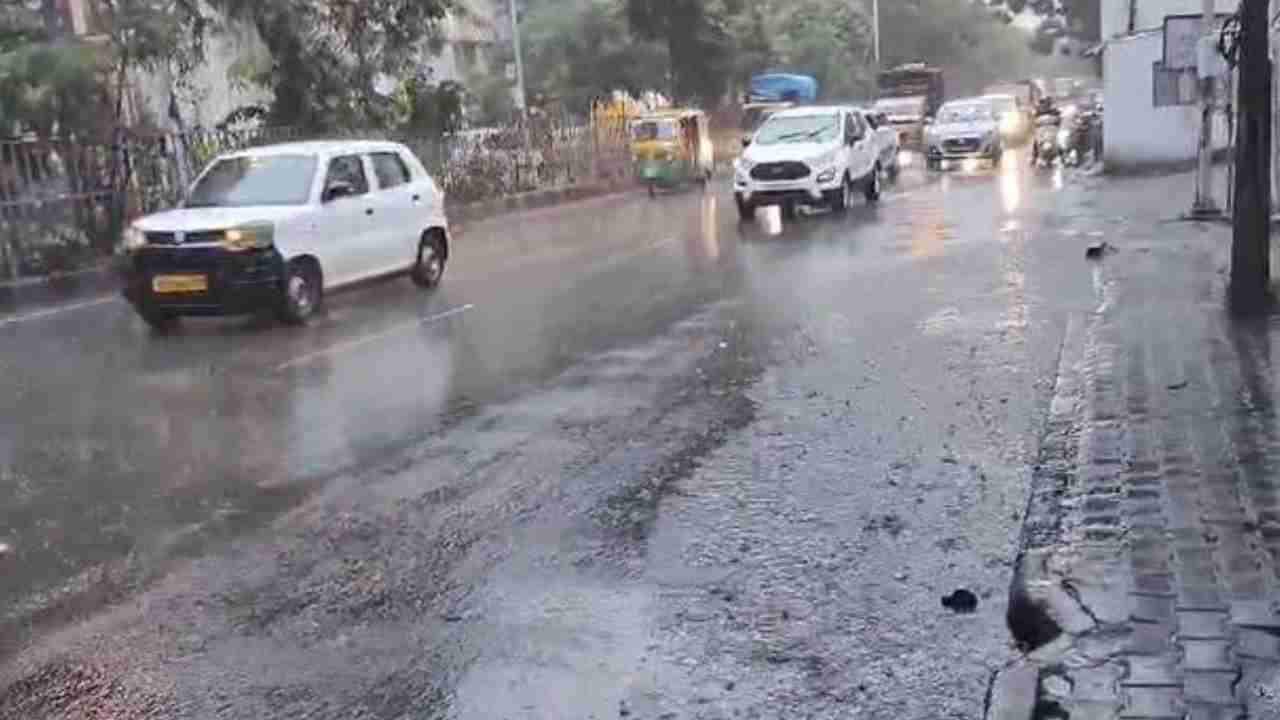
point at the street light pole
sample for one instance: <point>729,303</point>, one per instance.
<point>1251,231</point>
<point>515,41</point>
<point>875,30</point>
<point>1204,204</point>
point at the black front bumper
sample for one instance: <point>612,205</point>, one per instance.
<point>240,283</point>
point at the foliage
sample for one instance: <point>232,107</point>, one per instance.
<point>430,109</point>
<point>48,89</point>
<point>327,53</point>
<point>700,46</point>
<point>579,50</point>
<point>830,41</point>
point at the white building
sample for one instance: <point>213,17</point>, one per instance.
<point>1152,111</point>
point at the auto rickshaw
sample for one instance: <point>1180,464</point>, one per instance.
<point>672,147</point>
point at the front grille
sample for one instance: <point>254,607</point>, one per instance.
<point>960,144</point>
<point>190,238</point>
<point>780,171</point>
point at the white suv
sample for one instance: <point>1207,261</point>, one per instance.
<point>275,227</point>
<point>808,156</point>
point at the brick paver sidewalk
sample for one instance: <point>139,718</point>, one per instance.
<point>1153,539</point>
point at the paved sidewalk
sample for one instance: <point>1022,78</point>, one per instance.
<point>1153,538</point>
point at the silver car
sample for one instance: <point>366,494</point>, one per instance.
<point>964,129</point>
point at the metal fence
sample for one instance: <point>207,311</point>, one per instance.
<point>63,202</point>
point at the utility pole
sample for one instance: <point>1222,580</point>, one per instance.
<point>1204,204</point>
<point>515,41</point>
<point>1251,216</point>
<point>875,30</point>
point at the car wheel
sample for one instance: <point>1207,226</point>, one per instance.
<point>303,293</point>
<point>161,321</point>
<point>746,211</point>
<point>843,197</point>
<point>789,210</point>
<point>873,185</point>
<point>428,270</point>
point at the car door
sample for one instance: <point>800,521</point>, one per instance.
<point>347,221</point>
<point>395,202</point>
<point>861,146</point>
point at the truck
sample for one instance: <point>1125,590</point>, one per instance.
<point>913,80</point>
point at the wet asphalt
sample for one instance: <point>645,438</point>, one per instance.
<point>635,458</point>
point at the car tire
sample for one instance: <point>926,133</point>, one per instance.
<point>872,190</point>
<point>842,198</point>
<point>788,210</point>
<point>303,292</point>
<point>160,321</point>
<point>746,211</point>
<point>428,268</point>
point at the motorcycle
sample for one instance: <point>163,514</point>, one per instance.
<point>1046,146</point>
<point>1086,127</point>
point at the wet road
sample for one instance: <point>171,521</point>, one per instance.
<point>634,458</point>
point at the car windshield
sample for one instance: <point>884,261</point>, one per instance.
<point>964,113</point>
<point>798,128</point>
<point>250,180</point>
<point>654,130</point>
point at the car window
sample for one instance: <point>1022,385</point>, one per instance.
<point>853,126</point>
<point>348,169</point>
<point>390,169</point>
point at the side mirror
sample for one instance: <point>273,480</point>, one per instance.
<point>336,190</point>
<point>746,141</point>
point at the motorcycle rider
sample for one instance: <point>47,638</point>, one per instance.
<point>1046,113</point>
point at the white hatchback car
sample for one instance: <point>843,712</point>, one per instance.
<point>276,227</point>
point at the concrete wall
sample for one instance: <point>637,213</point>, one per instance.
<point>1137,134</point>
<point>1150,13</point>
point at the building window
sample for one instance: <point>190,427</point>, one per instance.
<point>1174,86</point>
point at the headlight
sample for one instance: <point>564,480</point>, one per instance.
<point>249,237</point>
<point>827,176</point>
<point>133,239</point>
<point>743,165</point>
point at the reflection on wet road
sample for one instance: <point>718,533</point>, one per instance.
<point>120,450</point>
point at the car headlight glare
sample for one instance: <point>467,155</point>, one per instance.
<point>134,239</point>
<point>249,237</point>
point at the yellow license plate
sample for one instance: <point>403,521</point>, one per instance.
<point>180,283</point>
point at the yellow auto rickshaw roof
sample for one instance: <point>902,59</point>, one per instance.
<point>672,114</point>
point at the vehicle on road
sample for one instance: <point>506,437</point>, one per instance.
<point>782,87</point>
<point>911,81</point>
<point>964,130</point>
<point>672,147</point>
<point>809,156</point>
<point>906,115</point>
<point>888,143</point>
<point>1050,140</point>
<point>1013,118</point>
<point>277,227</point>
<point>755,113</point>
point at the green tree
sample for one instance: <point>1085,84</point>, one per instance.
<point>45,87</point>
<point>700,46</point>
<point>830,41</point>
<point>327,53</point>
<point>579,50</point>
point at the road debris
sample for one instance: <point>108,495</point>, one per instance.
<point>961,601</point>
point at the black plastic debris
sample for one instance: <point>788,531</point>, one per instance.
<point>1097,250</point>
<point>961,601</point>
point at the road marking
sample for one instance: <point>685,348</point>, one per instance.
<point>16,319</point>
<point>359,342</point>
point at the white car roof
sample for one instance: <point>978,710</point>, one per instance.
<point>809,110</point>
<point>319,147</point>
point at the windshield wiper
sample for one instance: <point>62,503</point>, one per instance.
<point>802,134</point>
